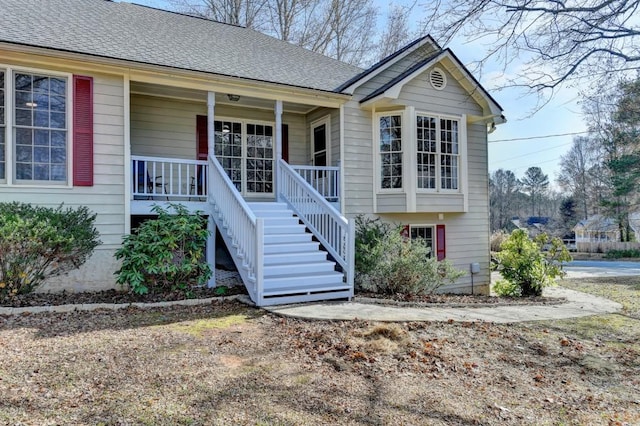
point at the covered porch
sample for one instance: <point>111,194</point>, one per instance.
<point>173,130</point>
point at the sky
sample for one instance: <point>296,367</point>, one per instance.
<point>532,147</point>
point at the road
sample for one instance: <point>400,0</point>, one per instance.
<point>601,268</point>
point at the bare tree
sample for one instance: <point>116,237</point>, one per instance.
<point>504,191</point>
<point>247,13</point>
<point>396,33</point>
<point>341,29</point>
<point>563,42</point>
<point>576,176</point>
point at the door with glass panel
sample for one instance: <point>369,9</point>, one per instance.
<point>245,151</point>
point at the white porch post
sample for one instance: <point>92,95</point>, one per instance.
<point>211,225</point>
<point>278,150</point>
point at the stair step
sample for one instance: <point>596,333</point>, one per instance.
<point>292,248</point>
<point>286,229</point>
<point>273,213</point>
<point>275,291</point>
<point>286,238</point>
<point>283,271</point>
<point>281,221</point>
<point>257,205</point>
<point>289,297</point>
<point>294,258</point>
<point>304,281</point>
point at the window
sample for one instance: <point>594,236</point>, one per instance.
<point>40,127</point>
<point>259,158</point>
<point>3,130</point>
<point>426,233</point>
<point>437,148</point>
<point>391,151</point>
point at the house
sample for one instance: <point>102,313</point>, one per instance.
<point>597,229</point>
<point>119,106</point>
<point>534,225</point>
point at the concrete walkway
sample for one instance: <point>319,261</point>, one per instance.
<point>578,305</point>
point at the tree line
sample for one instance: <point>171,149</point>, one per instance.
<point>599,175</point>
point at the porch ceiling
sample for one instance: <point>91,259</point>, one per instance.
<point>150,89</point>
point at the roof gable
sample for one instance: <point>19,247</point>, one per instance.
<point>146,35</point>
<point>452,64</point>
<point>350,85</point>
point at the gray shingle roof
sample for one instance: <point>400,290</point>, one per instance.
<point>141,34</point>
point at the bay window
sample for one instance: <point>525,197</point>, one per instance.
<point>438,153</point>
<point>391,151</point>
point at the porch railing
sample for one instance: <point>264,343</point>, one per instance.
<point>169,178</point>
<point>335,232</point>
<point>325,180</point>
<point>244,231</point>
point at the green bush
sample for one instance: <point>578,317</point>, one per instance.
<point>369,233</point>
<point>619,254</point>
<point>523,263</point>
<point>392,264</point>
<point>40,242</point>
<point>166,253</point>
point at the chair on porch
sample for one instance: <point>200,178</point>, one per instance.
<point>198,187</point>
<point>144,183</point>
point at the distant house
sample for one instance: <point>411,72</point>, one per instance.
<point>534,225</point>
<point>597,229</point>
<point>119,107</point>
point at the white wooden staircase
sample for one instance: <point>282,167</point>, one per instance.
<point>282,249</point>
<point>295,267</point>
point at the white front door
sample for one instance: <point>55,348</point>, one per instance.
<point>245,151</point>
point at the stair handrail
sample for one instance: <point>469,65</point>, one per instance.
<point>244,228</point>
<point>334,231</point>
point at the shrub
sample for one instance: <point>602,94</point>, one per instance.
<point>400,265</point>
<point>497,238</point>
<point>619,254</point>
<point>40,242</point>
<point>369,233</point>
<point>524,264</point>
<point>166,253</point>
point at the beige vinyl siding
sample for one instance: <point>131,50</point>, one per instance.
<point>391,203</point>
<point>467,234</point>
<point>164,127</point>
<point>358,179</point>
<point>105,197</point>
<point>453,99</point>
<point>334,117</point>
<point>437,202</point>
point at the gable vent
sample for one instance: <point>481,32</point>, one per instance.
<point>437,79</point>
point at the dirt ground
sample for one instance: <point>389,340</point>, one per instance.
<point>228,364</point>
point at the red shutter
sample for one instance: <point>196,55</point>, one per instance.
<point>404,231</point>
<point>202,137</point>
<point>82,131</point>
<point>441,242</point>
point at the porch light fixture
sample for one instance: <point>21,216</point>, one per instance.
<point>226,129</point>
<point>233,98</point>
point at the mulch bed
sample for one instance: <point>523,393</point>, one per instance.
<point>117,297</point>
<point>123,297</point>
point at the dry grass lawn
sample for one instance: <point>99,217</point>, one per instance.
<point>227,364</point>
